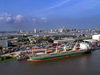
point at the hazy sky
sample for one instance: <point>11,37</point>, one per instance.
<point>47,14</point>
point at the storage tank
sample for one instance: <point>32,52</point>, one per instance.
<point>96,37</point>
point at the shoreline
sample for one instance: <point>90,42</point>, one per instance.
<point>6,59</point>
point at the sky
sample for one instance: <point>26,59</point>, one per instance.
<point>49,14</point>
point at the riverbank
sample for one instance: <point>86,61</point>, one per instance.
<point>7,58</point>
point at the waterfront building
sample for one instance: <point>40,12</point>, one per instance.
<point>3,42</point>
<point>64,40</point>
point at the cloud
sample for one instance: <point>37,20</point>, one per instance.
<point>18,18</point>
<point>43,19</point>
<point>34,19</point>
<point>59,4</point>
<point>5,17</point>
<point>8,18</point>
<point>1,18</point>
<point>83,8</point>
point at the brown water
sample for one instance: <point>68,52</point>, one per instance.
<point>87,64</point>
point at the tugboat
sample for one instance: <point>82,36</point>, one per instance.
<point>65,51</point>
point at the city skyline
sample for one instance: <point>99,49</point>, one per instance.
<point>49,14</point>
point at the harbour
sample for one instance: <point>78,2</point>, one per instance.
<point>56,49</point>
<point>49,37</point>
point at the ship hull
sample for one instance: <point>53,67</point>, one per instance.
<point>57,56</point>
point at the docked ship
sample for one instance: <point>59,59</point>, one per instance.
<point>61,51</point>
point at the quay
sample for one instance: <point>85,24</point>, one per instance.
<point>25,51</point>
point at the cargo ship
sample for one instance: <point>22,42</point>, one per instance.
<point>63,51</point>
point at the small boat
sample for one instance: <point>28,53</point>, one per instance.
<point>79,48</point>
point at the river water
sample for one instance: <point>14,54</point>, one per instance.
<point>87,64</point>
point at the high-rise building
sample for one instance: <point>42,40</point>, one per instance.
<point>35,31</point>
<point>60,30</point>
